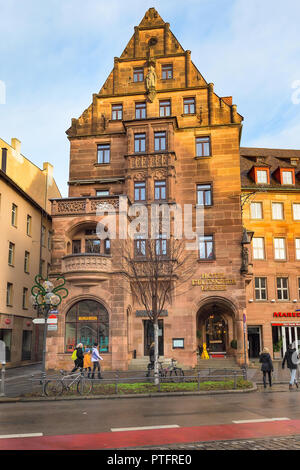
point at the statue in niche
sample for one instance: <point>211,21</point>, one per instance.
<point>151,79</point>
<point>245,260</point>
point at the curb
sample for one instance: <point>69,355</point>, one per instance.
<point>116,397</point>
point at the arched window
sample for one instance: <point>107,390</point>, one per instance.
<point>87,322</point>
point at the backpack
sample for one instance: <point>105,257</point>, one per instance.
<point>74,355</point>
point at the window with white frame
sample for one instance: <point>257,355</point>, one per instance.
<point>282,288</point>
<point>296,211</point>
<point>256,210</point>
<point>277,210</point>
<point>297,246</point>
<point>279,249</point>
<point>260,288</point>
<point>258,248</point>
<point>287,177</point>
<point>262,176</point>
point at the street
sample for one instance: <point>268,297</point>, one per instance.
<point>147,422</point>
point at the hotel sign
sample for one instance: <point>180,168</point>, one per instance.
<point>287,315</point>
<point>213,281</point>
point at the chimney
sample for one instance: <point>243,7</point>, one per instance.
<point>16,144</point>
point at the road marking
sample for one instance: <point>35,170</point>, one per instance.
<point>265,420</point>
<point>144,428</point>
<point>13,436</point>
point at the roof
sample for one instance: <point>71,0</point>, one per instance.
<point>274,158</point>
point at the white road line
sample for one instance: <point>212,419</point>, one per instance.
<point>145,428</point>
<point>265,420</point>
<point>13,436</point>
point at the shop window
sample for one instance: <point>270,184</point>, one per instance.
<point>282,288</point>
<point>5,335</point>
<point>26,345</point>
<point>87,322</point>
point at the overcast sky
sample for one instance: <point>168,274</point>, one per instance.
<point>55,54</point>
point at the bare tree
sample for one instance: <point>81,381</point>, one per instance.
<point>156,269</point>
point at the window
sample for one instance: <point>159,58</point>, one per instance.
<point>287,177</point>
<point>161,245</point>
<point>189,106</point>
<point>11,253</point>
<point>9,294</point>
<point>29,225</point>
<point>260,288</point>
<point>140,110</point>
<point>139,246</point>
<point>204,195</point>
<point>107,246</point>
<point>43,235</point>
<point>160,141</point>
<point>42,267</point>
<point>25,298</point>
<point>165,108</point>
<point>160,190</point>
<point>279,249</point>
<point>26,261</point>
<point>139,190</point>
<point>102,192</point>
<point>4,160</point>
<point>87,322</point>
<point>203,146</point>
<point>76,247</point>
<point>14,213</point>
<point>277,211</point>
<point>138,75</point>
<point>92,245</point>
<point>206,248</point>
<point>258,248</point>
<point>117,112</point>
<point>139,143</point>
<point>103,153</point>
<point>167,72</point>
<point>49,240</point>
<point>26,345</point>
<point>262,176</point>
<point>282,288</point>
<point>256,210</point>
<point>296,211</point>
<point>297,246</point>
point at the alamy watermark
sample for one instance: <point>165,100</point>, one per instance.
<point>2,92</point>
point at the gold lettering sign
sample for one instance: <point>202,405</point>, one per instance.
<point>88,318</point>
<point>213,281</point>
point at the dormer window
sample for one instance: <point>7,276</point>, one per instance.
<point>287,177</point>
<point>262,176</point>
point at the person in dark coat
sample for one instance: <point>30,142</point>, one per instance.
<point>151,359</point>
<point>266,366</point>
<point>78,363</point>
<point>291,358</point>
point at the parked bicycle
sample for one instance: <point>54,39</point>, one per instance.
<point>71,383</point>
<point>171,371</point>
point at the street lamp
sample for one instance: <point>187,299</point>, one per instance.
<point>44,297</point>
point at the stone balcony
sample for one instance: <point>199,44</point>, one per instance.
<point>90,264</point>
<point>82,205</point>
<point>151,160</point>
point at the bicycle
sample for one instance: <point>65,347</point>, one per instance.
<point>69,383</point>
<point>164,372</point>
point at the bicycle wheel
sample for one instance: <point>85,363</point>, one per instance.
<point>84,386</point>
<point>53,388</point>
<point>179,374</point>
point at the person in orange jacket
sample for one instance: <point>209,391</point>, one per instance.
<point>87,362</point>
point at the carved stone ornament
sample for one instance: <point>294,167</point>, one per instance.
<point>151,79</point>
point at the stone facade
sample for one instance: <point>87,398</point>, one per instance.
<point>217,299</point>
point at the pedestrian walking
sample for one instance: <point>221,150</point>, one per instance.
<point>78,361</point>
<point>151,359</point>
<point>87,362</point>
<point>291,358</point>
<point>95,361</point>
<point>266,366</point>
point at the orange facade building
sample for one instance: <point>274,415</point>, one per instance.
<point>156,133</point>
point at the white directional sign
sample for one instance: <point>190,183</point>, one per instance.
<point>41,321</point>
<point>2,352</point>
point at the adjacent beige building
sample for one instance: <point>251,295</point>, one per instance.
<point>25,248</point>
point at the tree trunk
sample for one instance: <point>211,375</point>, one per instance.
<point>156,374</point>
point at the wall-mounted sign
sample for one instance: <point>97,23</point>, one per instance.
<point>88,318</point>
<point>287,314</point>
<point>7,321</point>
<point>143,313</point>
<point>213,281</point>
<point>178,343</point>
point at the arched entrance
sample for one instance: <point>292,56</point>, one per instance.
<point>215,328</point>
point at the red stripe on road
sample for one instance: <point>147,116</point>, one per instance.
<point>117,440</point>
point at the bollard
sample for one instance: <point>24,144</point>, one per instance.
<point>116,384</point>
<point>2,392</point>
<point>198,381</point>
<point>234,386</point>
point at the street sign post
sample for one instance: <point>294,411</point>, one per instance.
<point>41,321</point>
<point>3,362</point>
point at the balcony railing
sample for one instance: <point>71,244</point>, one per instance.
<point>83,205</point>
<point>86,262</point>
<point>151,160</point>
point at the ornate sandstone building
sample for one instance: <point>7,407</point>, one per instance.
<point>155,132</point>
